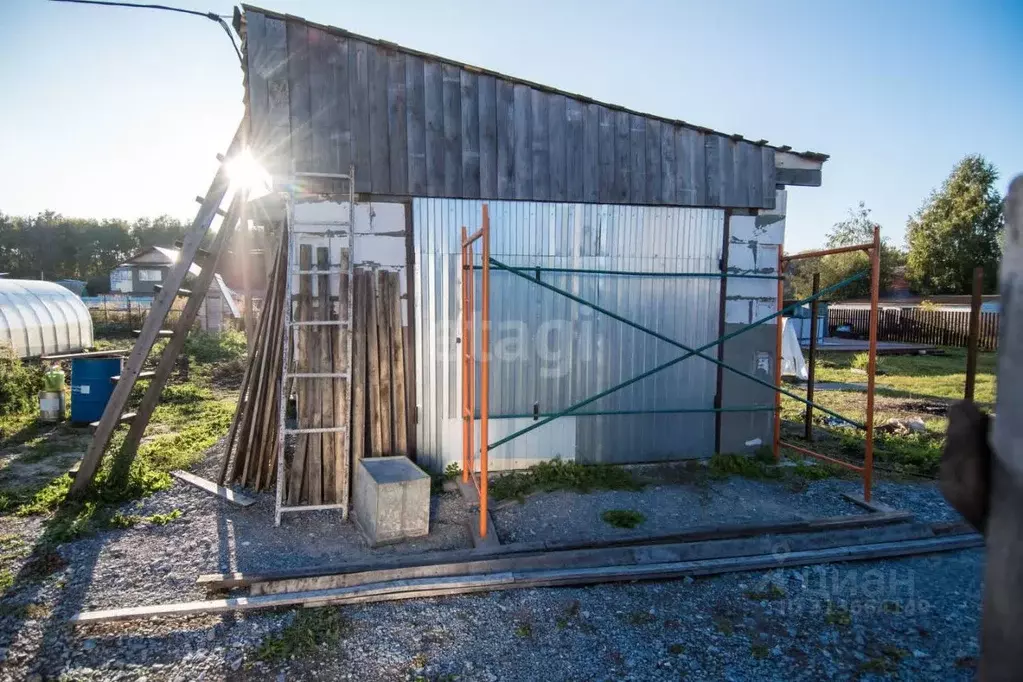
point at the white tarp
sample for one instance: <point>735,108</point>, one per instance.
<point>792,362</point>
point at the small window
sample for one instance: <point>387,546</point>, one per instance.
<point>150,275</point>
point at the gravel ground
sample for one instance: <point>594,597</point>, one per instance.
<point>917,617</point>
<point>668,508</point>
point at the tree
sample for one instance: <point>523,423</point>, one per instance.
<point>857,228</point>
<point>957,228</point>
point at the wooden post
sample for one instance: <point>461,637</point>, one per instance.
<point>811,370</point>
<point>974,339</point>
<point>875,287</point>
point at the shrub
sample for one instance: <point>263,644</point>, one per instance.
<point>19,382</point>
<point>207,347</point>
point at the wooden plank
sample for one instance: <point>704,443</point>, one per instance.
<point>323,104</point>
<point>653,162</point>
<point>470,134</point>
<point>505,127</point>
<point>686,141</point>
<point>669,165</point>
<point>211,487</point>
<point>637,159</point>
<point>606,152</point>
<point>298,480</point>
<point>376,434</point>
<point>359,369</point>
<point>487,95</point>
<point>700,533</point>
<point>87,354</point>
<point>142,375</point>
<point>591,153</point>
<point>400,441</point>
<point>523,142</point>
<point>383,318</point>
<point>341,362</point>
<point>873,505</point>
<point>151,326</point>
<point>258,97</point>
<point>433,83</point>
<point>623,157</point>
<point>415,115</point>
<point>125,418</point>
<point>452,130</point>
<point>379,142</point>
<point>341,117</point>
<point>298,84</point>
<point>325,343</point>
<point>557,145</point>
<point>277,155</point>
<point>601,557</point>
<point>358,100</point>
<point>574,160</point>
<point>397,123</point>
<point>752,174</point>
<point>540,146</point>
<point>530,579</point>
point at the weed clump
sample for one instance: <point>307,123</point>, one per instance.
<point>19,383</point>
<point>559,475</point>
<point>622,518</point>
<point>310,630</point>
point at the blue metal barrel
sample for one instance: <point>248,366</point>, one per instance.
<point>91,387</point>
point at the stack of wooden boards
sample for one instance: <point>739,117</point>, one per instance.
<point>700,551</point>
<point>318,467</point>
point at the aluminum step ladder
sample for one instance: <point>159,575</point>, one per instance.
<point>344,232</point>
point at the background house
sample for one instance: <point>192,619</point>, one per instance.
<point>145,271</point>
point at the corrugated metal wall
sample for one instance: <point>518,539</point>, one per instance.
<point>554,352</point>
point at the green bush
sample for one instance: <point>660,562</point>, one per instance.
<point>19,382</point>
<point>208,347</point>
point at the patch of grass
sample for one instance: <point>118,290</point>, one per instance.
<point>622,518</point>
<point>559,475</point>
<point>524,630</point>
<point>307,632</point>
<point>755,467</point>
<point>759,650</point>
<point>6,579</point>
<point>724,625</point>
<point>889,606</point>
<point>640,618</point>
<point>419,661</point>
<point>164,519</point>
<point>837,615</point>
<point>772,593</point>
<point>211,347</point>
<point>676,649</point>
<point>20,382</point>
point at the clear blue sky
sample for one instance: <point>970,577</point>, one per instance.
<point>118,113</point>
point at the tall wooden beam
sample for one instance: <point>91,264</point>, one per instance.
<point>151,327</point>
<point>126,456</point>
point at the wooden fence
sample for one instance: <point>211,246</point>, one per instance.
<point>915,325</point>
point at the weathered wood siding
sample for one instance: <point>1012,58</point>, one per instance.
<point>416,125</point>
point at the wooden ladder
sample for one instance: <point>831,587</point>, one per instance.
<point>306,474</point>
<point>151,328</point>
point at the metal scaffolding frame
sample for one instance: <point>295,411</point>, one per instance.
<point>468,356</point>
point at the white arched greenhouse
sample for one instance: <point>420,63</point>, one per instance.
<point>42,318</point>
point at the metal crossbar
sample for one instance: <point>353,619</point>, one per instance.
<point>646,273</point>
<point>628,382</point>
<point>682,346</point>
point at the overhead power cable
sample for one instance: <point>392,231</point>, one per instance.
<point>212,16</point>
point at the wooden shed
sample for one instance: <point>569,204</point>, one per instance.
<point>572,184</point>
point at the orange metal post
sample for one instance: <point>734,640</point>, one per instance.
<point>875,285</point>
<point>776,443</point>
<point>485,373</point>
<point>471,358</point>
<point>466,415</point>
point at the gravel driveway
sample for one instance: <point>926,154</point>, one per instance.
<point>917,617</point>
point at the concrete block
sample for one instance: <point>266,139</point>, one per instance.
<point>392,500</point>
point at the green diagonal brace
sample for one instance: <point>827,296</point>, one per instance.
<point>690,352</point>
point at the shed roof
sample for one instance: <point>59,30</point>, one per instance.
<point>168,256</point>
<point>320,98</point>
